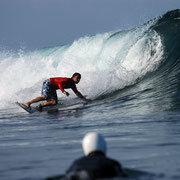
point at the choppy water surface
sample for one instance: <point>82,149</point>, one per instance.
<point>38,145</point>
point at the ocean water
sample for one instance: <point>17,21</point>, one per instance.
<point>133,79</point>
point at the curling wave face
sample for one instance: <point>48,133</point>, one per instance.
<point>146,59</point>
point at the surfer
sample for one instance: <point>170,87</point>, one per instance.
<point>50,86</point>
<point>94,164</point>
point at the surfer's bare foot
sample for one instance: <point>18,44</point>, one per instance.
<point>27,105</point>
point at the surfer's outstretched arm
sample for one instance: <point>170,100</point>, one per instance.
<point>80,95</point>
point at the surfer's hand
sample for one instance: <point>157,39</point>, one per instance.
<point>66,93</point>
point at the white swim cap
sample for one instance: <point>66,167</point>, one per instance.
<point>93,142</point>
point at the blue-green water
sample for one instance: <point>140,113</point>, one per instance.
<point>133,78</point>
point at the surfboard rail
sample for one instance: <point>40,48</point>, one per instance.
<point>27,109</point>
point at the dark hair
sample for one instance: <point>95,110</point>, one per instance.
<point>76,74</point>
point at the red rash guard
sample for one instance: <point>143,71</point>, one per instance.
<point>63,83</point>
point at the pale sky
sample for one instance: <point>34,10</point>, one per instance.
<point>43,23</point>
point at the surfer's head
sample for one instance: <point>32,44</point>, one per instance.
<point>76,77</point>
<point>92,143</point>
